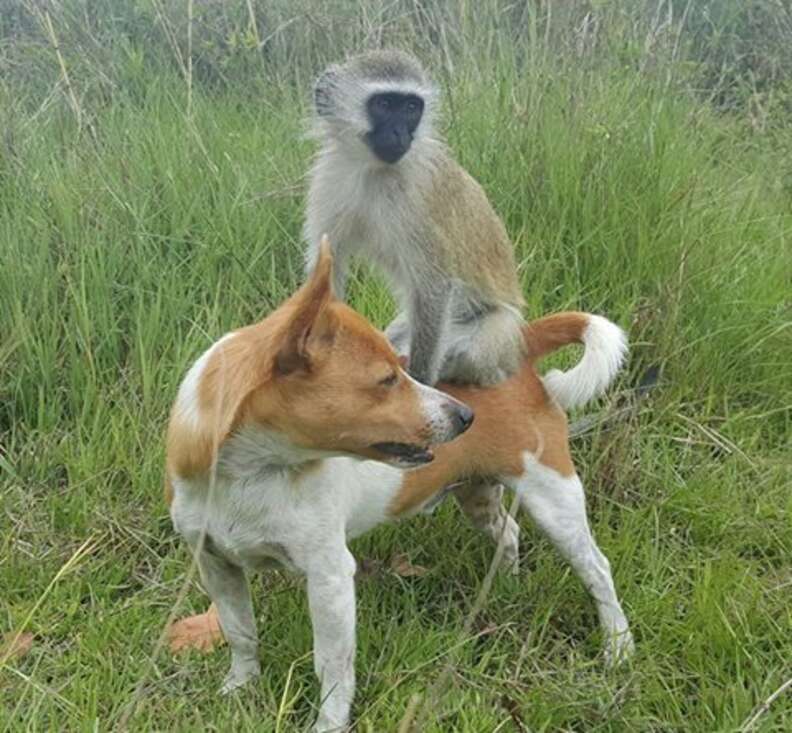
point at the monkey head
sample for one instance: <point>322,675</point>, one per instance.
<point>380,101</point>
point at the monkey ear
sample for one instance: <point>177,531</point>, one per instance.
<point>323,92</point>
<point>313,325</point>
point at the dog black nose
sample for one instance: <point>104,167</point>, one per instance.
<point>463,418</point>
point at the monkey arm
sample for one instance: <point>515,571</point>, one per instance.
<point>428,316</point>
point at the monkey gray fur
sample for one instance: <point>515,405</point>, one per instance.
<point>385,188</point>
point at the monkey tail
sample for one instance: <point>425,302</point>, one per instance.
<point>605,350</point>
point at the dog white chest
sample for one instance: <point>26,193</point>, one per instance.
<point>284,516</point>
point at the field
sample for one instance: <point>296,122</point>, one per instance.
<point>152,162</point>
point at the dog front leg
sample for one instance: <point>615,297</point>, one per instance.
<point>228,588</point>
<point>331,598</point>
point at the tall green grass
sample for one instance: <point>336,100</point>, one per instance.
<point>148,204</point>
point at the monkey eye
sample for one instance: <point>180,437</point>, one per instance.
<point>383,104</point>
<point>389,381</point>
<point>412,107</point>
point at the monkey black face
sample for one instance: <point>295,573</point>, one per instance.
<point>394,118</point>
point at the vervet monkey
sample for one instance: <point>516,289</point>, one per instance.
<point>385,188</point>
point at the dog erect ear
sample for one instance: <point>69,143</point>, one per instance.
<point>322,273</point>
<point>312,322</point>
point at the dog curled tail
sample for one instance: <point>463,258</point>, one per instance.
<point>605,347</point>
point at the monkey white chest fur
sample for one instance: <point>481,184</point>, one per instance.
<point>387,191</point>
<point>368,209</point>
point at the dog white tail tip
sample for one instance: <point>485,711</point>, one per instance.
<point>605,351</point>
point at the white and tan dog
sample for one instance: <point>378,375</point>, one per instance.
<point>290,436</point>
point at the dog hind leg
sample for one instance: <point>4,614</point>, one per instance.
<point>557,505</point>
<point>482,501</point>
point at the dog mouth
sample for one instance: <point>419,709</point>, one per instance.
<point>405,454</point>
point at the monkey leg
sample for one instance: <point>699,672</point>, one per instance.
<point>484,349</point>
<point>482,501</point>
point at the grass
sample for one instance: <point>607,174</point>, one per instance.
<point>134,233</point>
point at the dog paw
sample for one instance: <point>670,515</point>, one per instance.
<point>325,725</point>
<point>237,678</point>
<point>511,567</point>
<point>510,561</point>
<point>619,648</point>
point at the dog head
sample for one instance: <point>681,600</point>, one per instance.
<point>336,384</point>
<point>319,379</point>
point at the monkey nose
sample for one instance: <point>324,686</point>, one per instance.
<point>401,138</point>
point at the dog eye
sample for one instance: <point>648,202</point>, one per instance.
<point>389,381</point>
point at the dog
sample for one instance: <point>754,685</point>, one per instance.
<point>290,436</point>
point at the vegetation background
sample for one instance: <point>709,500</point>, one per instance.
<point>152,163</point>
